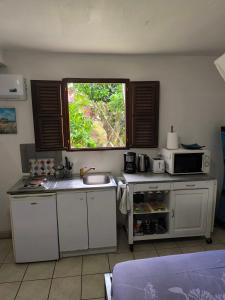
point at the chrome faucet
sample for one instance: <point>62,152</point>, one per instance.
<point>84,172</point>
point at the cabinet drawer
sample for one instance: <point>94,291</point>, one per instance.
<point>190,185</point>
<point>141,187</point>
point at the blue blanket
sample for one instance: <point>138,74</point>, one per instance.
<point>196,276</point>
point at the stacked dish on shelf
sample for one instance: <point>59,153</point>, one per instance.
<point>149,209</point>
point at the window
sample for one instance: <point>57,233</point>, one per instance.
<point>96,113</point>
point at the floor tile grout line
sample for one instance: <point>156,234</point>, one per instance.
<point>21,282</point>
<point>87,275</point>
<point>9,282</point>
<point>70,276</point>
<point>92,298</point>
<point>51,281</point>
<point>37,279</point>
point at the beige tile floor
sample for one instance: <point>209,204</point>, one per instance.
<point>82,277</point>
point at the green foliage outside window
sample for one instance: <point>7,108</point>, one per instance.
<point>97,115</point>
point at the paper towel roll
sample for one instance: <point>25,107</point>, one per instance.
<point>172,140</point>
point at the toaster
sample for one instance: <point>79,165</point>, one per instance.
<point>157,165</point>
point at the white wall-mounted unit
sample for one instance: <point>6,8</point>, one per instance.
<point>220,64</point>
<point>12,87</point>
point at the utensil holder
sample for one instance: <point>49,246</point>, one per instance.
<point>68,173</point>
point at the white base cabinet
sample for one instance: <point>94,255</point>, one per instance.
<point>86,220</point>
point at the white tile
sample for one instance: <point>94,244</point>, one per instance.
<point>192,249</point>
<point>145,254</point>
<point>218,237</point>
<point>12,272</point>
<point>8,291</point>
<point>144,246</point>
<point>92,286</point>
<point>119,257</point>
<point>68,288</point>
<point>68,267</point>
<point>165,244</point>
<point>42,270</point>
<point>172,251</point>
<point>215,246</point>
<point>93,264</point>
<point>123,246</point>
<point>218,234</point>
<point>34,290</point>
<point>122,241</point>
<point>190,242</point>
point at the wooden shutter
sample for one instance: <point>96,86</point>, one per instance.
<point>47,113</point>
<point>145,114</point>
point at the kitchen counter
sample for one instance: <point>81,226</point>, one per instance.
<point>165,177</point>
<point>55,185</point>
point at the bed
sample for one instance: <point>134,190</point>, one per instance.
<point>196,276</point>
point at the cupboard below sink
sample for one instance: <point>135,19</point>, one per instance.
<point>86,221</point>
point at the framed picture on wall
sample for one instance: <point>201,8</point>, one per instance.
<point>8,120</point>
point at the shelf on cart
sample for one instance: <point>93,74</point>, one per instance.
<point>154,236</point>
<point>151,212</point>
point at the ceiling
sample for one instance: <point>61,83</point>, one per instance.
<point>114,26</point>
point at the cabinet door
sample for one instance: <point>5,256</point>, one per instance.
<point>102,219</point>
<point>72,221</point>
<point>189,212</point>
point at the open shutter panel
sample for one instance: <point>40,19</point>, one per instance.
<point>145,113</point>
<point>47,113</point>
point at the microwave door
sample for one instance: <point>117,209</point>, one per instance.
<point>188,163</point>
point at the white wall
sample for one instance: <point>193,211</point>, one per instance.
<point>192,99</point>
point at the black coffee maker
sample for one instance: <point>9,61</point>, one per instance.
<point>130,162</point>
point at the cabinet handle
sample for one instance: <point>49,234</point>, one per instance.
<point>32,195</point>
<point>190,185</point>
<point>33,203</point>
<point>153,187</point>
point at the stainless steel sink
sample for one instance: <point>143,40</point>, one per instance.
<point>95,179</point>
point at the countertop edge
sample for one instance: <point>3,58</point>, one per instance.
<point>164,178</point>
<point>62,190</point>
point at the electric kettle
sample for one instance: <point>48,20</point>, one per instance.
<point>143,163</point>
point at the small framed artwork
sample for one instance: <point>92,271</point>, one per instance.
<point>8,120</point>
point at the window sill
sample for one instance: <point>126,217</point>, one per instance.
<point>98,149</point>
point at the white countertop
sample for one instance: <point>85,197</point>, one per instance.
<point>165,177</point>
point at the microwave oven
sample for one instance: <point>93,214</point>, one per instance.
<point>183,161</point>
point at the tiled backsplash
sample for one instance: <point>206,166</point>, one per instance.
<point>27,152</point>
<point>43,166</point>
